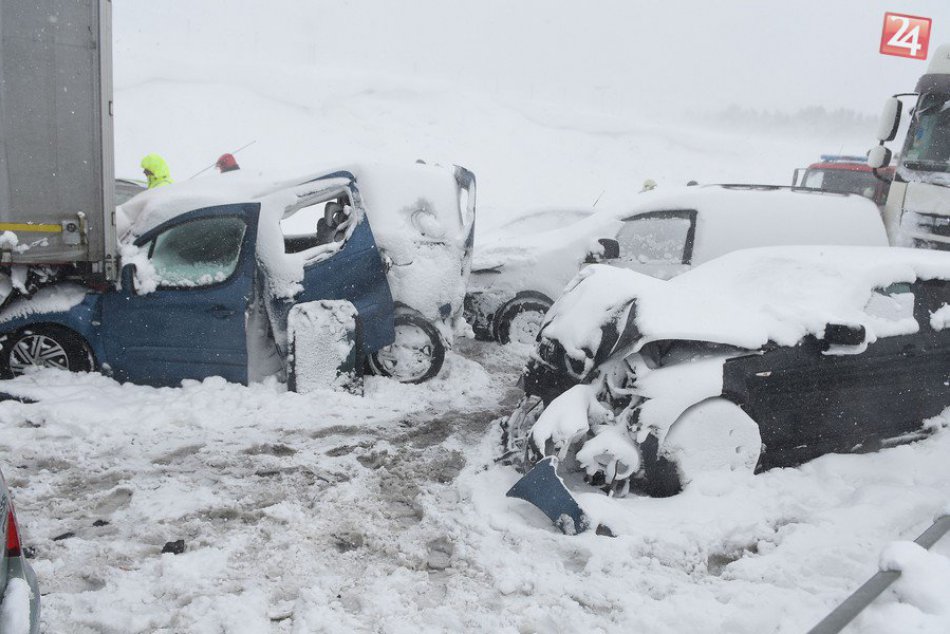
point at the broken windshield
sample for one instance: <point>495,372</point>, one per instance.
<point>928,140</point>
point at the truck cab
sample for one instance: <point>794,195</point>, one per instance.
<point>917,210</point>
<point>845,175</point>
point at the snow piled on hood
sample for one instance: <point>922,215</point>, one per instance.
<point>746,298</point>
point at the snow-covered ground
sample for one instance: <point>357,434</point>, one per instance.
<point>331,512</point>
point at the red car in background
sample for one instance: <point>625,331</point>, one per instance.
<point>845,174</point>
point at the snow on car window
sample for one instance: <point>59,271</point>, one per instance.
<point>654,239</point>
<point>198,253</point>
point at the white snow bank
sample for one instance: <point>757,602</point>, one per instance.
<point>15,609</point>
<point>745,298</point>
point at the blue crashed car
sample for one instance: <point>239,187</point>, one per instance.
<point>207,291</point>
<point>19,593</point>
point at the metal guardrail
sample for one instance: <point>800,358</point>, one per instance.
<point>873,587</point>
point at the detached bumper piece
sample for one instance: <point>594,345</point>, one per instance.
<point>544,488</point>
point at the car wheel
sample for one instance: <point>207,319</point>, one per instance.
<point>714,435</point>
<point>520,320</point>
<point>46,347</point>
<point>416,355</point>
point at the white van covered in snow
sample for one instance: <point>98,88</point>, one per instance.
<point>664,233</point>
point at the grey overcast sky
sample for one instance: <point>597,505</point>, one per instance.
<point>679,55</point>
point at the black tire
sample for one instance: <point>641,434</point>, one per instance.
<point>44,346</point>
<point>662,475</point>
<point>509,324</point>
<point>425,345</point>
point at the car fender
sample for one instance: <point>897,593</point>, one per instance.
<point>83,319</point>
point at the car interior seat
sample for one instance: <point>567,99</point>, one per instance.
<point>328,226</point>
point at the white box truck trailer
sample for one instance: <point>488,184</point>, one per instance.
<point>56,137</point>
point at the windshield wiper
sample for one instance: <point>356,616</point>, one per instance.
<point>927,166</point>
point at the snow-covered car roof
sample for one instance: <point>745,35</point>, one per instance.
<point>730,217</point>
<point>387,189</point>
<point>746,298</point>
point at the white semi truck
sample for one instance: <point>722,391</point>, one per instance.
<point>917,211</point>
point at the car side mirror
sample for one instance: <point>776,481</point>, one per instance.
<point>879,157</point>
<point>844,335</point>
<point>890,120</point>
<point>610,250</point>
<point>128,278</point>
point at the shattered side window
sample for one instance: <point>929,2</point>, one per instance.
<point>197,253</point>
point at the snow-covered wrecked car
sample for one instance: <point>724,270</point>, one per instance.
<point>662,234</point>
<point>19,592</point>
<point>213,268</point>
<point>762,358</point>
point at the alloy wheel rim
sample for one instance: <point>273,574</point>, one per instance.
<point>409,357</point>
<point>37,351</point>
<point>525,326</point>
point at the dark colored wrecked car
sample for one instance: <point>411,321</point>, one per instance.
<point>760,359</point>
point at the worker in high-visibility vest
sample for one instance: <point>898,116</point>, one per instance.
<point>156,171</point>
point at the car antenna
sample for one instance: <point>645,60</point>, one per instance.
<point>599,197</point>
<point>203,170</point>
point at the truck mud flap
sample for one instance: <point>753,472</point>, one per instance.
<point>544,488</point>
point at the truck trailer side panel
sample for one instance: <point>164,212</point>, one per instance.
<point>56,144</point>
